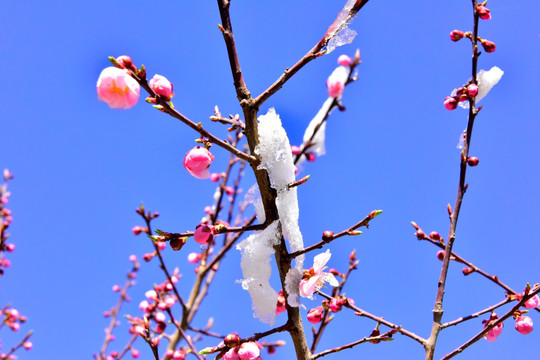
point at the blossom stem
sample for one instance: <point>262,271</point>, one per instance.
<point>365,339</point>
<point>476,314</point>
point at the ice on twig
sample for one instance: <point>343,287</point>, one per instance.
<point>338,33</point>
<point>253,196</point>
<point>486,80</point>
<point>256,253</point>
<point>343,37</point>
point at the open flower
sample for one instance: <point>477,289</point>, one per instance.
<point>117,88</point>
<point>315,278</point>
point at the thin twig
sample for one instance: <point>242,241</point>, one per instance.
<point>482,333</point>
<point>476,314</point>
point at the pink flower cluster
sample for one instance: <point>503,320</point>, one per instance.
<point>12,318</point>
<point>462,94</point>
<point>5,222</point>
<point>245,351</point>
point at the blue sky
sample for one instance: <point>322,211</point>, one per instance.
<point>81,168</point>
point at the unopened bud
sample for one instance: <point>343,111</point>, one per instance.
<point>435,235</point>
<point>328,236</point>
<point>231,340</point>
<point>456,35</point>
<point>473,161</point>
<point>420,235</point>
<point>467,271</point>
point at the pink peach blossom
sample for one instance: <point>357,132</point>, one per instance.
<point>494,332</point>
<point>161,86</point>
<point>450,103</point>
<point>315,278</point>
<point>197,161</point>
<point>117,88</point>
<point>27,345</point>
<point>524,324</point>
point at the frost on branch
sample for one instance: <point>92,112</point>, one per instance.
<point>256,255</point>
<point>486,80</point>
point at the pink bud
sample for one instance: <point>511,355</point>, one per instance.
<point>215,177</point>
<point>231,340</point>
<point>335,87</point>
<point>161,86</point>
<point>488,46</point>
<point>473,161</point>
<point>281,303</point>
<point>532,302</point>
<point>472,90</point>
<point>193,258</point>
<point>14,326</point>
<point>197,161</point>
<point>450,103</point>
<point>524,324</point>
<point>311,157</point>
<point>336,304</point>
<point>295,150</point>
<point>344,60</point>
<point>435,235</point>
<point>160,317</point>
<point>148,256</point>
<point>496,331</point>
<point>315,315</point>
<point>116,288</point>
<point>132,258</point>
<point>161,245</point>
<point>135,353</point>
<point>456,35</point>
<point>483,12</point>
<point>125,62</point>
<point>440,255</point>
<point>203,234</point>
<point>179,355</point>
<point>5,263</point>
<point>137,229</point>
<point>249,351</point>
<point>27,345</point>
<point>10,247</point>
<point>117,88</point>
<point>151,294</point>
<point>229,190</point>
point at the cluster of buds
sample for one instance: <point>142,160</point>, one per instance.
<point>160,299</point>
<point>12,318</point>
<point>179,354</point>
<point>5,222</point>
<point>232,348</point>
<point>131,275</point>
<point>335,305</point>
<point>464,93</point>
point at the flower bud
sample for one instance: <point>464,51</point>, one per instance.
<point>440,255</point>
<point>524,324</point>
<point>295,150</point>
<point>197,161</point>
<point>488,46</point>
<point>336,304</point>
<point>315,315</point>
<point>472,90</point>
<point>467,271</point>
<point>203,234</point>
<point>344,60</point>
<point>231,340</point>
<point>27,345</point>
<point>456,35</point>
<point>161,86</point>
<point>483,12</point>
<point>532,302</point>
<point>494,332</point>
<point>249,351</point>
<point>328,236</point>
<point>450,103</point>
<point>310,157</point>
<point>435,235</point>
<point>473,161</point>
<point>281,305</point>
<point>125,62</point>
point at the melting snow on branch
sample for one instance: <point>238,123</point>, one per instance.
<point>256,256</point>
<point>486,80</point>
<point>274,151</point>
